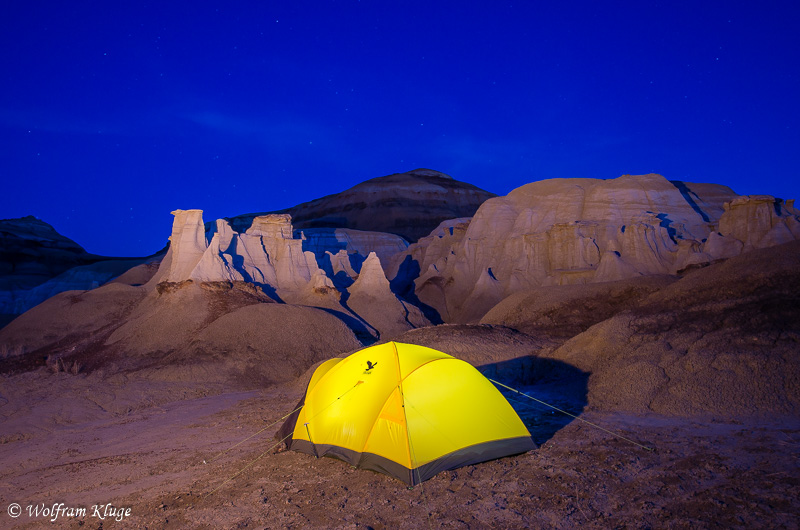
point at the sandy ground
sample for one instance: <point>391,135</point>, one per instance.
<point>83,442</point>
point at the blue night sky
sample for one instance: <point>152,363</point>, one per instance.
<point>112,114</point>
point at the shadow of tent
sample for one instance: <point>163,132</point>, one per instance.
<point>555,382</point>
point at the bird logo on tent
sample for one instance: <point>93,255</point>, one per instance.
<point>370,366</point>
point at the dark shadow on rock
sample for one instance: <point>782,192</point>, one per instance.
<point>364,332</point>
<point>403,282</point>
<point>269,291</point>
<point>324,263</point>
<point>777,206</point>
<point>358,327</point>
<point>356,260</point>
<point>665,223</point>
<point>320,242</point>
<point>687,195</point>
<point>402,285</point>
<point>554,382</point>
<point>342,281</point>
<point>238,265</point>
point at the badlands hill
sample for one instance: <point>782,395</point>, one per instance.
<point>409,205</point>
<point>379,215</point>
<point>554,262</point>
<point>578,231</point>
<point>665,312</point>
<point>245,309</point>
<point>37,262</point>
<point>723,340</point>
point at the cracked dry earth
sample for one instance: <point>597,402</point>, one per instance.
<point>702,473</point>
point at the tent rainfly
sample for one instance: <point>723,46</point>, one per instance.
<point>404,410</point>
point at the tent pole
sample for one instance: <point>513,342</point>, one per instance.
<point>314,447</point>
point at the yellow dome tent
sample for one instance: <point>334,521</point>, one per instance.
<point>407,411</point>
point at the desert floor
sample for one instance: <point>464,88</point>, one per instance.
<point>168,453</point>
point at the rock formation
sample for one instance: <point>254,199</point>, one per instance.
<point>567,231</point>
<point>266,255</point>
<point>187,243</point>
<point>409,205</point>
<point>322,240</point>
<point>720,340</point>
<point>341,262</point>
<point>428,254</point>
<point>371,297</point>
<point>270,257</point>
<point>759,221</point>
<point>684,339</point>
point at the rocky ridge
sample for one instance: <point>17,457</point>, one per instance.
<point>575,231</point>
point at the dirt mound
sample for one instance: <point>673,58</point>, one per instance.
<point>561,312</point>
<point>477,344</point>
<point>69,317</point>
<point>724,340</point>
<point>267,343</point>
<point>141,274</point>
<point>210,333</point>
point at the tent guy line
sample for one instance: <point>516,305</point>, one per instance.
<point>408,439</point>
<point>259,457</point>
<point>210,460</point>
<point>571,415</point>
<point>350,368</point>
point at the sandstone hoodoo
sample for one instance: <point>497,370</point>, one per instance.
<point>568,231</point>
<point>267,254</point>
<point>270,257</point>
<point>371,296</point>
